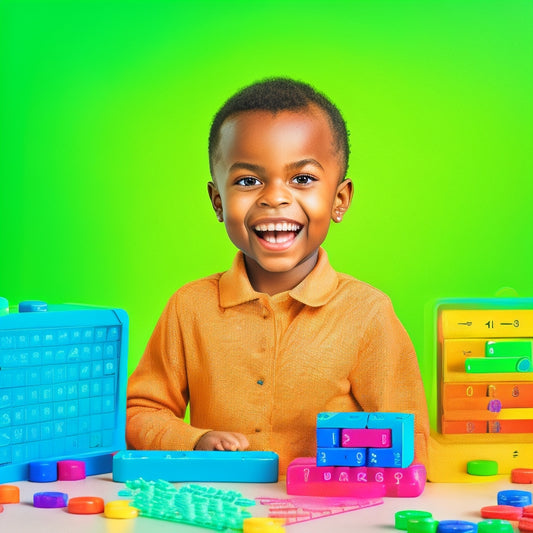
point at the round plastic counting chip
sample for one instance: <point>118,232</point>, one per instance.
<point>423,524</point>
<point>525,524</point>
<point>522,475</point>
<point>86,505</point>
<point>494,526</point>
<point>503,512</point>
<point>42,471</point>
<point>456,526</point>
<point>482,468</point>
<point>70,470</point>
<point>518,498</point>
<point>50,500</point>
<point>263,525</point>
<point>9,494</point>
<point>401,517</point>
<point>120,509</point>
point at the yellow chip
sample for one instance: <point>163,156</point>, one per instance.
<point>120,509</point>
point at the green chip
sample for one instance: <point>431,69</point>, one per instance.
<point>401,517</point>
<point>482,467</point>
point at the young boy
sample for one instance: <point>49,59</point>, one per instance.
<point>259,350</point>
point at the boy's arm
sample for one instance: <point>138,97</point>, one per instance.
<point>158,392</point>
<point>386,376</point>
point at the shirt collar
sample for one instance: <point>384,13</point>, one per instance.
<point>315,290</point>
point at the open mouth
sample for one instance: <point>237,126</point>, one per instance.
<point>278,233</point>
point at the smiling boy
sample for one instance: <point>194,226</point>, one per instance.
<point>259,350</point>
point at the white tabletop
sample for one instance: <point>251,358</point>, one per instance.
<point>446,501</point>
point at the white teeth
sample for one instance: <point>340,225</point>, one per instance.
<point>280,226</point>
<point>279,238</point>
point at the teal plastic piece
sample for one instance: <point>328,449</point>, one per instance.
<point>63,377</point>
<point>352,420</point>
<point>491,365</point>
<point>190,504</point>
<point>4,306</point>
<point>509,348</point>
<point>178,466</point>
<point>402,451</point>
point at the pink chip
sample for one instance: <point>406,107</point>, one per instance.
<point>70,470</point>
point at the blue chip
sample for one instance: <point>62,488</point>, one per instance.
<point>516,498</point>
<point>32,306</point>
<point>456,526</point>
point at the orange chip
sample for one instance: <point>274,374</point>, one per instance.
<point>86,505</point>
<point>9,494</point>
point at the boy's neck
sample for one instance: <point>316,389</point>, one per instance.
<point>276,282</point>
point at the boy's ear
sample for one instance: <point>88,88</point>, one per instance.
<point>343,199</point>
<point>216,201</point>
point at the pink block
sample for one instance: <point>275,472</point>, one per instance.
<point>366,438</point>
<point>305,478</point>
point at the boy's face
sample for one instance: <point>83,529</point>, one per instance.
<point>276,184</point>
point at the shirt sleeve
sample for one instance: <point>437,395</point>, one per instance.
<point>158,393</point>
<point>386,377</point>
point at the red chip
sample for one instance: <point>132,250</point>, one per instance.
<point>527,511</point>
<point>522,475</point>
<point>503,512</point>
<point>525,524</point>
<point>86,505</point>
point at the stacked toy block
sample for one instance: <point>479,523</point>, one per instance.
<point>360,455</point>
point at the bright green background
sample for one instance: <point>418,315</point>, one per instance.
<point>105,110</point>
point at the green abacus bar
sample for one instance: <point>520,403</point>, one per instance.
<point>504,348</point>
<point>491,365</point>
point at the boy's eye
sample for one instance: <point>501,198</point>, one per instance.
<point>303,179</point>
<point>248,181</point>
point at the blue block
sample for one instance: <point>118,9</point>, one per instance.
<point>341,456</point>
<point>353,420</point>
<point>177,466</point>
<point>402,451</point>
<point>328,437</point>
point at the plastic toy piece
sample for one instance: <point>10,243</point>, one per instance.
<point>62,387</point>
<point>263,525</point>
<point>490,365</point>
<point>401,517</point>
<point>366,438</point>
<point>296,510</point>
<point>1,508</point>
<point>120,509</point>
<point>328,437</point>
<point>503,512</point>
<point>527,511</point>
<point>33,306</point>
<point>422,525</point>
<point>525,524</point>
<point>494,526</point>
<point>4,306</point>
<point>42,471</point>
<point>191,504</point>
<point>176,466</point>
<point>70,470</point>
<point>517,498</point>
<point>304,477</point>
<point>509,348</point>
<point>341,456</point>
<point>482,467</point>
<point>402,450</point>
<point>50,500</point>
<point>456,526</point>
<point>9,494</point>
<point>522,475</point>
<point>86,505</point>
<point>352,420</point>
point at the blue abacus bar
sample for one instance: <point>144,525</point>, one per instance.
<point>177,466</point>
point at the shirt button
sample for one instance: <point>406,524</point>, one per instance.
<point>260,381</point>
<point>257,430</point>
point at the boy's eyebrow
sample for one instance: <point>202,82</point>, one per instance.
<point>242,165</point>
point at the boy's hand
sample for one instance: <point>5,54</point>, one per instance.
<point>222,441</point>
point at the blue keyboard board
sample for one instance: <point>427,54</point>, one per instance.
<point>177,466</point>
<point>63,376</point>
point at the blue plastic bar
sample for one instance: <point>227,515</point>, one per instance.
<point>177,466</point>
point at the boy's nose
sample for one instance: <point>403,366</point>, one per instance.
<point>275,195</point>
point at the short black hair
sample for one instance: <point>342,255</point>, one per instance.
<point>280,94</point>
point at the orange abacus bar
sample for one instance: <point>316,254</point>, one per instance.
<point>509,393</point>
<point>486,426</point>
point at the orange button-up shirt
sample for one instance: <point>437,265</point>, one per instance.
<point>266,365</point>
